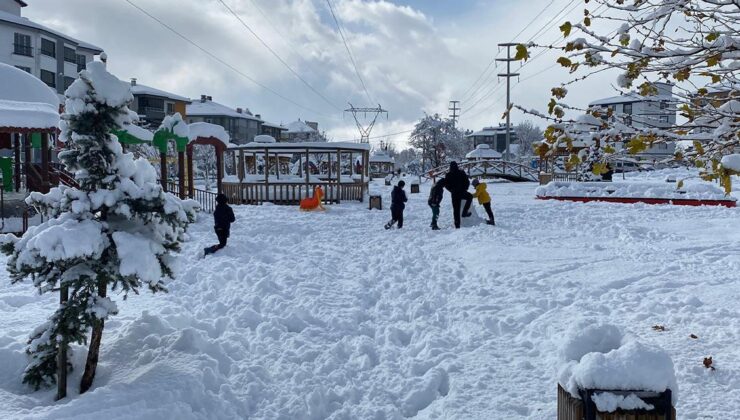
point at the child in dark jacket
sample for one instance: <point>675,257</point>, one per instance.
<point>223,217</point>
<point>398,204</point>
<point>435,199</point>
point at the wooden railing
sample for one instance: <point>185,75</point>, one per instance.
<point>565,176</point>
<point>290,194</point>
<point>206,199</point>
<point>490,167</point>
<point>61,175</point>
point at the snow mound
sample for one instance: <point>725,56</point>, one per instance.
<point>731,162</point>
<point>696,191</point>
<point>600,358</point>
<point>264,138</point>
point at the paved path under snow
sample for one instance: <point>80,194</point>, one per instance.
<point>327,315</point>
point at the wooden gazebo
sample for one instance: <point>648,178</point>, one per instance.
<point>348,182</point>
<point>381,165</point>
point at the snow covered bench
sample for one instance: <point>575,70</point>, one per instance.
<point>607,376</point>
<point>699,194</point>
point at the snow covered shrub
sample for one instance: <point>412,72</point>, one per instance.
<point>116,231</point>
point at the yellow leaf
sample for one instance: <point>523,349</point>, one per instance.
<point>609,149</point>
<point>711,37</point>
<point>698,147</point>
<point>551,106</point>
<point>682,74</point>
<point>636,145</point>
<point>587,21</point>
<point>521,52</point>
<point>565,29</point>
<point>678,156</point>
<point>564,61</point>
<point>648,89</point>
<point>714,60</point>
<point>599,168</point>
<point>559,112</point>
<point>559,92</point>
<point>679,185</point>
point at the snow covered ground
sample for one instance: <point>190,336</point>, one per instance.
<point>327,315</point>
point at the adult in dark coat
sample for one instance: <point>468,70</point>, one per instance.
<point>457,183</point>
<point>223,217</point>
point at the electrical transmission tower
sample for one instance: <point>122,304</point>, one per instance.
<point>362,123</point>
<point>454,112</point>
<point>508,75</point>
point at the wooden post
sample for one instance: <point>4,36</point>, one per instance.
<point>277,166</point>
<point>27,157</point>
<point>181,174</point>
<point>62,353</point>
<point>163,170</point>
<point>362,175</point>
<point>17,163</point>
<point>308,170</point>
<point>329,167</point>
<point>191,184</point>
<point>45,161</point>
<point>240,166</point>
<point>267,167</point>
<point>219,169</point>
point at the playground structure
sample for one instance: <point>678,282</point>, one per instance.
<point>340,169</point>
<point>489,168</point>
<point>29,117</point>
<point>381,165</point>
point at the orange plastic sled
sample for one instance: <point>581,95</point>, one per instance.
<point>313,203</point>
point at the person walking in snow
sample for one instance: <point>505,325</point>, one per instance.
<point>457,183</point>
<point>483,199</point>
<point>398,204</point>
<point>435,200</point>
<point>223,217</point>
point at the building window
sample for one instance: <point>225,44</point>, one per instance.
<point>69,55</point>
<point>628,120</point>
<point>49,78</point>
<point>627,108</point>
<point>663,105</point>
<point>170,108</point>
<point>26,69</point>
<point>81,62</point>
<point>22,45</point>
<point>48,47</point>
<point>664,118</point>
<point>68,81</point>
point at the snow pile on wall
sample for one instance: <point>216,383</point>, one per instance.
<point>204,129</point>
<point>732,162</point>
<point>264,138</point>
<point>599,357</point>
<point>696,191</point>
<point>175,124</point>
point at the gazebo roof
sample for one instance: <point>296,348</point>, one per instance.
<point>483,151</point>
<point>312,147</point>
<point>381,157</point>
<point>26,103</point>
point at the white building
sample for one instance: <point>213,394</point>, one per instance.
<point>51,56</point>
<point>240,123</point>
<point>656,111</point>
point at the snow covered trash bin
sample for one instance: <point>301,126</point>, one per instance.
<point>608,377</point>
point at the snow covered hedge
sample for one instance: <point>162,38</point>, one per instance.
<point>699,191</point>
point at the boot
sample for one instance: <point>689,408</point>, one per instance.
<point>468,214</point>
<point>389,225</point>
<point>434,226</point>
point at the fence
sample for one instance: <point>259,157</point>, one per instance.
<point>290,194</point>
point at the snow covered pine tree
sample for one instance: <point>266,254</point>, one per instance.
<point>115,231</point>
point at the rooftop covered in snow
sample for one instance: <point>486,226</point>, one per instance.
<point>139,89</point>
<point>381,156</point>
<point>311,147</point>
<point>483,151</point>
<point>207,107</point>
<point>26,102</point>
<point>299,127</point>
<point>26,23</point>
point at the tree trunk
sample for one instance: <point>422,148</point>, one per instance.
<point>93,352</point>
<point>62,353</point>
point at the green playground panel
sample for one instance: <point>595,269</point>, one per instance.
<point>6,168</point>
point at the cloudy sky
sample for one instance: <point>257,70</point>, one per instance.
<point>413,55</point>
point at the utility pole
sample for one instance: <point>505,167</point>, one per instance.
<point>508,75</point>
<point>454,108</point>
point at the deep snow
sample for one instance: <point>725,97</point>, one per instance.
<point>327,315</point>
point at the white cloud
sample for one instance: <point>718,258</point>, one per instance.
<point>411,62</point>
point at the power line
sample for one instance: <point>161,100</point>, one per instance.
<point>277,55</point>
<point>349,51</point>
<point>464,95</point>
<point>224,63</point>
